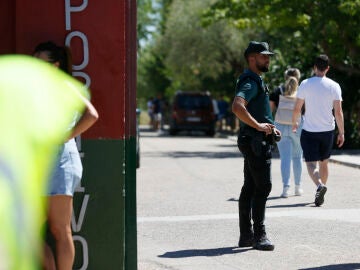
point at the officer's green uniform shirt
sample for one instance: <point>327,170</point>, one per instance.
<point>257,97</point>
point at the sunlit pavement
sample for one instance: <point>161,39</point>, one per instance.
<point>187,211</point>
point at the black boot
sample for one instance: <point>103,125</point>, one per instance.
<point>246,239</point>
<point>261,242</point>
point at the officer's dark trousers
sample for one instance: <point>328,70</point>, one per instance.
<point>257,184</point>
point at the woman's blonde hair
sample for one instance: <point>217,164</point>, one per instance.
<point>295,72</point>
<point>291,85</point>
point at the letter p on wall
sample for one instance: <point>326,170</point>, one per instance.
<point>69,9</point>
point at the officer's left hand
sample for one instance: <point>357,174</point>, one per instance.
<point>278,132</point>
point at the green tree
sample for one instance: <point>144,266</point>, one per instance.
<point>182,55</point>
<point>146,20</point>
<point>151,72</point>
<point>152,76</point>
<point>200,58</point>
<point>301,28</point>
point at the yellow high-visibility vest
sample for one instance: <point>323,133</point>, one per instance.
<point>37,104</point>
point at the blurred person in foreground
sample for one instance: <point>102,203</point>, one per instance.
<point>251,106</point>
<point>321,97</point>
<point>68,168</point>
<point>37,104</point>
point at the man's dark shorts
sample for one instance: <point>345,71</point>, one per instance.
<point>316,145</point>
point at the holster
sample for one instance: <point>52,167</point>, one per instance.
<point>256,141</point>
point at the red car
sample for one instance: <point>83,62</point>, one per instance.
<point>192,111</point>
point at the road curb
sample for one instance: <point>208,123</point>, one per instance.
<point>332,159</point>
<point>349,164</point>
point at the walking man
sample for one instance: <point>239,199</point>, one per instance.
<point>251,106</point>
<point>321,96</point>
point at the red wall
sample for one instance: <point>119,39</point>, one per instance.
<point>109,29</point>
<point>7,26</point>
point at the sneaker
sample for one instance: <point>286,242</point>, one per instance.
<point>246,240</point>
<point>263,243</point>
<point>298,190</point>
<point>319,196</point>
<point>285,192</point>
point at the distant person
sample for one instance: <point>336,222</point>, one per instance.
<point>215,108</point>
<point>157,111</point>
<point>214,105</point>
<point>165,113</point>
<point>289,147</point>
<point>223,106</point>
<point>251,106</point>
<point>149,105</point>
<point>321,97</point>
<point>68,168</point>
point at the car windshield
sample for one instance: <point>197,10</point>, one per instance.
<point>192,102</point>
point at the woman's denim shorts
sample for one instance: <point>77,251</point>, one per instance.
<point>67,171</point>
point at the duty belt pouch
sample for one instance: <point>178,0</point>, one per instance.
<point>257,141</point>
<point>257,145</point>
<point>243,139</point>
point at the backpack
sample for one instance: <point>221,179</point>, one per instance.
<point>285,110</point>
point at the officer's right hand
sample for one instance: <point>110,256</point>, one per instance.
<point>266,127</point>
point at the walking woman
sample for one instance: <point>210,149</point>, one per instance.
<point>289,147</point>
<point>67,171</point>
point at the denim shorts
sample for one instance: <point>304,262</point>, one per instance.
<point>67,171</point>
<point>316,146</point>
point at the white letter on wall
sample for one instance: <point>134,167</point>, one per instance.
<point>76,226</point>
<point>85,251</point>
<point>69,9</point>
<point>83,75</point>
<point>85,48</point>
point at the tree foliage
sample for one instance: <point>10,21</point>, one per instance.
<point>194,54</point>
<point>300,29</point>
<point>152,78</point>
<point>189,56</point>
<point>145,19</point>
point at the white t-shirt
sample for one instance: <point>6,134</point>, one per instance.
<point>319,94</point>
<point>215,106</point>
<point>149,106</point>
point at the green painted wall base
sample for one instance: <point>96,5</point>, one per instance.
<point>130,206</point>
<point>99,207</point>
<point>100,217</point>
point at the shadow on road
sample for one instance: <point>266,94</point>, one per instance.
<point>203,252</point>
<point>165,133</point>
<point>198,154</point>
<point>345,266</point>
<point>280,205</point>
<point>290,205</point>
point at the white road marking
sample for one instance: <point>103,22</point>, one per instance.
<point>347,215</point>
<point>307,247</point>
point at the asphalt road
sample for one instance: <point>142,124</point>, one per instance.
<point>187,190</point>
